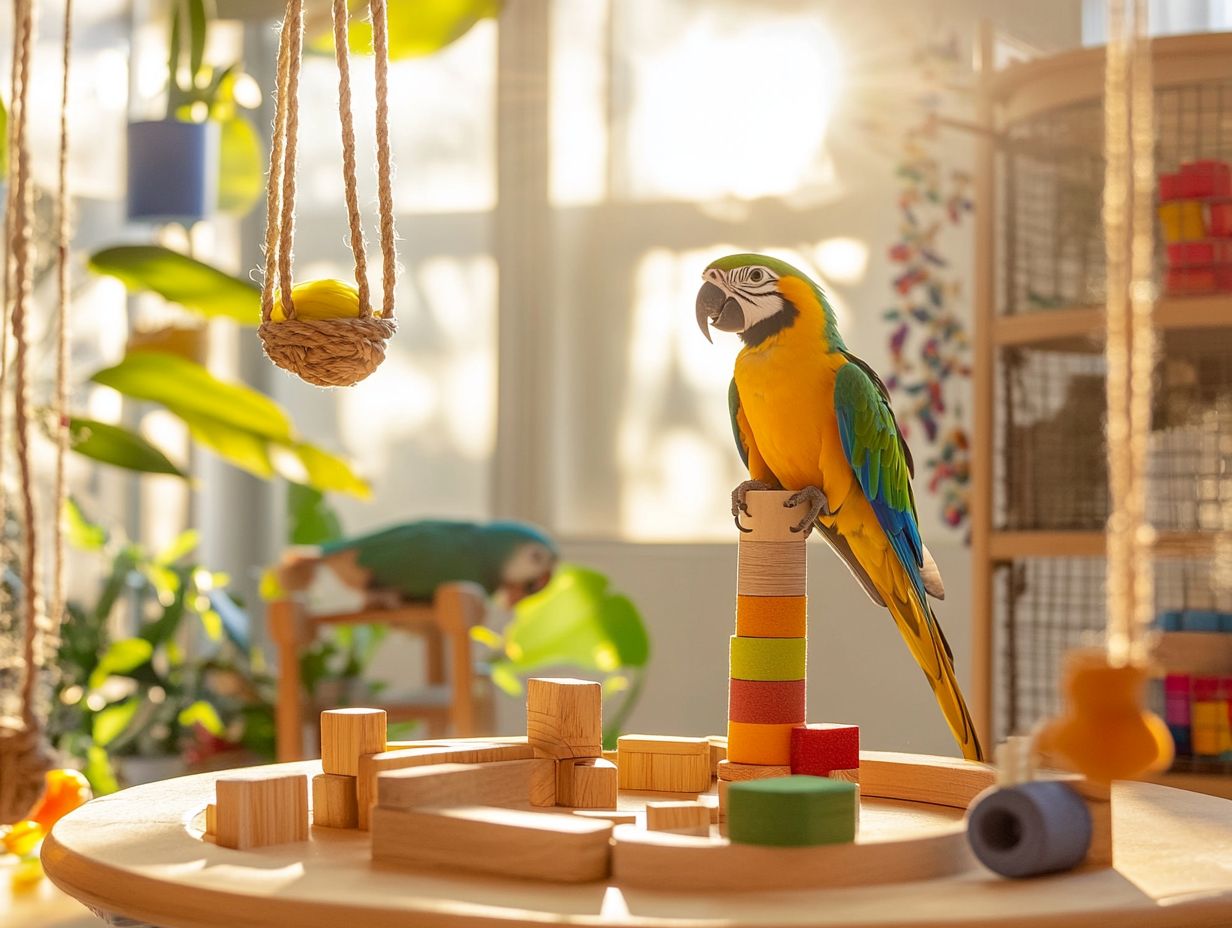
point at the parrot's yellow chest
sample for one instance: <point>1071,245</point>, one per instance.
<point>786,386</point>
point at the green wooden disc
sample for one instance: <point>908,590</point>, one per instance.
<point>794,811</point>
<point>768,658</point>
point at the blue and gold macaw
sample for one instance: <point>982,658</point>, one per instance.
<point>810,416</point>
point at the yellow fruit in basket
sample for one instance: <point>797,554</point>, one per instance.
<point>320,299</point>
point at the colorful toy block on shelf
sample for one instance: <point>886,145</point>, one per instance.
<point>1195,214</point>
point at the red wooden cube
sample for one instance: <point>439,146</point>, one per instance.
<point>821,748</point>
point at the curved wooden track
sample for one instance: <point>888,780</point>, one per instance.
<point>138,854</point>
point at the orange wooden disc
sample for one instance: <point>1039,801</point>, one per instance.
<point>753,743</point>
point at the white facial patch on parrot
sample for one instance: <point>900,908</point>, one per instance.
<point>529,562</point>
<point>755,287</point>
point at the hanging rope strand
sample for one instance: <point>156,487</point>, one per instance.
<point>6,310</point>
<point>56,615</point>
<point>293,29</point>
<point>273,203</point>
<point>384,166</point>
<point>21,415</point>
<point>342,55</point>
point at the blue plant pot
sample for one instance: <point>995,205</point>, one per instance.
<point>172,171</point>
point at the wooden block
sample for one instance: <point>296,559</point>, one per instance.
<point>564,717</point>
<point>795,811</point>
<point>748,743</point>
<point>770,568</point>
<point>255,811</point>
<point>766,702</point>
<point>333,801</point>
<point>586,783</point>
<point>731,771</point>
<point>682,818</point>
<point>503,783</point>
<point>942,781</point>
<point>372,765</point>
<point>768,658</point>
<point>610,756</point>
<point>346,735</point>
<point>664,764</point>
<point>211,819</point>
<point>771,616</point>
<point>543,782</point>
<point>711,803</point>
<point>722,791</point>
<point>718,752</point>
<point>847,776</point>
<point>819,748</point>
<point>562,848</point>
<point>615,816</point>
<point>767,519</point>
<point>1100,852</point>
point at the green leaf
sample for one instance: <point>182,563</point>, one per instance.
<point>506,678</point>
<point>211,621</point>
<point>189,390</point>
<point>487,637</point>
<point>241,171</point>
<point>322,470</point>
<point>184,543</point>
<point>203,714</point>
<point>122,657</point>
<point>416,28</point>
<point>99,772</point>
<point>197,27</point>
<point>83,534</point>
<point>310,519</point>
<point>239,447</point>
<point>179,279</point>
<point>109,723</point>
<point>121,447</point>
<point>270,589</point>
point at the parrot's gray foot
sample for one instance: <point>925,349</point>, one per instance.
<point>738,503</point>
<point>817,504</point>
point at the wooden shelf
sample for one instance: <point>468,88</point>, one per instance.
<point>1081,328</point>
<point>1008,546</point>
<point>1212,784</point>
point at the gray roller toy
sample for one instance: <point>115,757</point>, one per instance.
<point>1034,828</point>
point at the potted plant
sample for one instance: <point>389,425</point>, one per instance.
<point>202,155</point>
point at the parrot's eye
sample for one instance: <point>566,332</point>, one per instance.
<point>756,275</point>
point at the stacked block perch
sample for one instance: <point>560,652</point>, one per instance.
<point>766,699</point>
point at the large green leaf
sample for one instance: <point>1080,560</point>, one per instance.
<point>576,620</point>
<point>204,714</point>
<point>241,172</point>
<point>83,534</point>
<point>114,444</point>
<point>122,657</point>
<point>416,28</point>
<point>310,519</point>
<point>243,449</point>
<point>325,471</point>
<point>190,391</point>
<point>179,279</point>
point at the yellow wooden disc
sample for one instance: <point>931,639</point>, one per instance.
<point>320,299</point>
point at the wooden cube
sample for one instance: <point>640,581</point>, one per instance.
<point>732,771</point>
<point>682,818</point>
<point>586,783</point>
<point>718,752</point>
<point>1100,852</point>
<point>211,819</point>
<point>543,783</point>
<point>333,801</point>
<point>346,735</point>
<point>663,763</point>
<point>255,811</point>
<point>820,748</point>
<point>564,717</point>
<point>509,842</point>
<point>847,776</point>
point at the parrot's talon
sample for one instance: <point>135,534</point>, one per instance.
<point>817,503</point>
<point>738,503</point>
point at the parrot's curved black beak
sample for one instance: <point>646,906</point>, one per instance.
<point>714,307</point>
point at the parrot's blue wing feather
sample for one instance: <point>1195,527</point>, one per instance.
<point>880,459</point>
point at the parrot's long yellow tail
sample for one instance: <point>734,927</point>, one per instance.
<point>920,629</point>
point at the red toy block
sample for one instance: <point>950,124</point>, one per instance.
<point>766,702</point>
<point>1206,179</point>
<point>1169,187</point>
<point>1219,219</point>
<point>818,749</point>
<point>1200,254</point>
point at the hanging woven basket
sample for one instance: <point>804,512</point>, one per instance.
<point>326,332</point>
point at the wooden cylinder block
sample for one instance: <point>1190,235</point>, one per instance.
<point>730,772</point>
<point>768,658</point>
<point>750,743</point>
<point>767,702</point>
<point>333,801</point>
<point>770,568</point>
<point>771,616</point>
<point>768,518</point>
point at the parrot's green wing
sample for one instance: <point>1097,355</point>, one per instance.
<point>733,409</point>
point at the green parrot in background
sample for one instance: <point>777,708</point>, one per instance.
<point>406,563</point>
<point>810,416</point>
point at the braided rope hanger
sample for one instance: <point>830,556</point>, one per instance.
<point>350,345</point>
